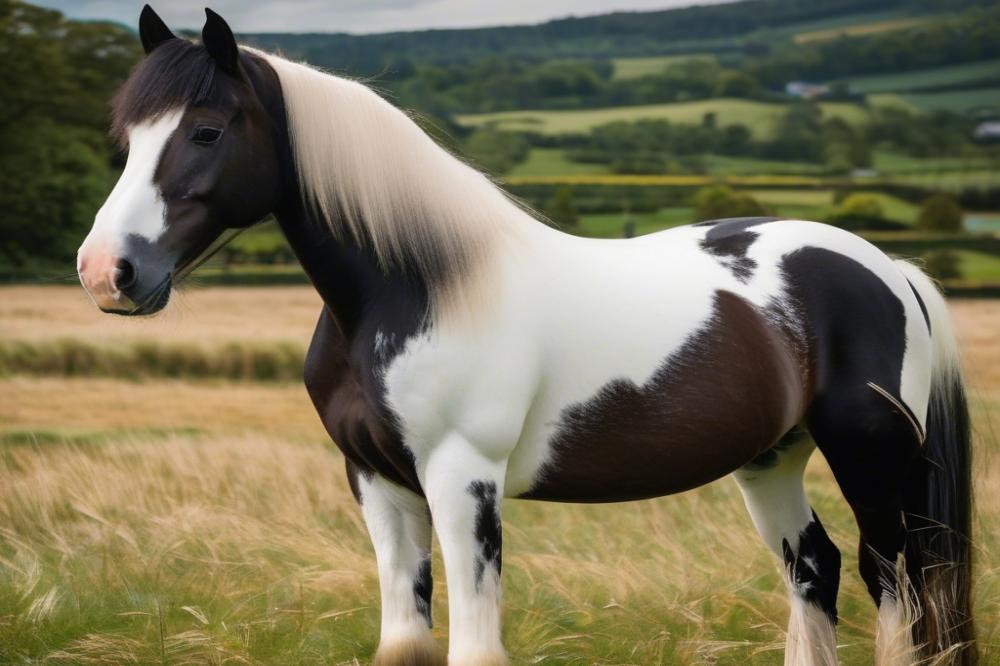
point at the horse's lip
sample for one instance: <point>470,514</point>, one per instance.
<point>154,301</point>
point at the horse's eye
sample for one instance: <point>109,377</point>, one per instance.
<point>206,135</point>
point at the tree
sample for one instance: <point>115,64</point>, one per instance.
<point>720,201</point>
<point>940,212</point>
<point>561,209</point>
<point>495,151</point>
<point>942,264</point>
<point>55,166</point>
<point>859,211</point>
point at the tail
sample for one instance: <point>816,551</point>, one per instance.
<point>938,499</point>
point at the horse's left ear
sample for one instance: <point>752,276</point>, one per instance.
<point>220,42</point>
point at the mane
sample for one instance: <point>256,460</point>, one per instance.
<point>376,177</point>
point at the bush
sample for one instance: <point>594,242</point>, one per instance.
<point>940,212</point>
<point>860,211</point>
<point>560,207</point>
<point>942,264</point>
<point>720,201</point>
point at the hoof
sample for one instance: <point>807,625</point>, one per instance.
<point>417,651</point>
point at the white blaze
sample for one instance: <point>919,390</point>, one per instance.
<point>135,206</point>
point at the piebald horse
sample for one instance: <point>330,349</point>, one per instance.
<point>467,352</point>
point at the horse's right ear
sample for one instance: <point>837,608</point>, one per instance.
<point>152,30</point>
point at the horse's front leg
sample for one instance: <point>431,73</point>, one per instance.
<point>464,488</point>
<point>400,528</point>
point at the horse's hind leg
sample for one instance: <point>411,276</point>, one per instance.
<point>773,490</point>
<point>870,448</point>
<point>400,528</point>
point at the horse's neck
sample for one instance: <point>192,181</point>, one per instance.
<point>362,298</point>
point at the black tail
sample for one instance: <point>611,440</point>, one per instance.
<point>938,502</point>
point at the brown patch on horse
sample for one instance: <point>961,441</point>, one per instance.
<point>369,441</point>
<point>731,391</point>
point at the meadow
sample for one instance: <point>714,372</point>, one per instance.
<point>760,117</point>
<point>205,520</point>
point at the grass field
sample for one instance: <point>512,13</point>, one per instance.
<point>633,68</point>
<point>858,30</point>
<point>760,117</point>
<point>552,162</point>
<point>969,73</point>
<point>959,101</point>
<point>179,522</point>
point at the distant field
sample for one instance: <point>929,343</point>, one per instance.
<point>959,101</point>
<point>841,21</point>
<point>858,30</point>
<point>633,68</point>
<point>552,162</point>
<point>969,73</point>
<point>760,117</point>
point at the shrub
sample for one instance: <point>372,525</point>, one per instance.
<point>719,201</point>
<point>860,211</point>
<point>942,264</point>
<point>940,212</point>
<point>560,207</point>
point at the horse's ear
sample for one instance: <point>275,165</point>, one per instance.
<point>221,45</point>
<point>152,30</point>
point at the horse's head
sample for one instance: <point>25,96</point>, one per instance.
<point>202,162</point>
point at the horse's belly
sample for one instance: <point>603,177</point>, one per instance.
<point>729,393</point>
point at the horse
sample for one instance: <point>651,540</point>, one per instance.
<point>468,352</point>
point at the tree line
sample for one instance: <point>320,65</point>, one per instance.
<point>57,164</point>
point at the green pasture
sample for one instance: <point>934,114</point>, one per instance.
<point>859,29</point>
<point>760,117</point>
<point>958,101</point>
<point>553,162</point>
<point>633,68</point>
<point>969,73</point>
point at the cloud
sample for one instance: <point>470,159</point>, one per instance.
<point>354,15</point>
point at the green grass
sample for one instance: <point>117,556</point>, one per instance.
<point>986,70</point>
<point>552,162</point>
<point>143,360</point>
<point>760,117</point>
<point>887,162</point>
<point>979,266</point>
<point>859,30</point>
<point>725,165</point>
<point>633,68</point>
<point>612,225</point>
<point>959,101</point>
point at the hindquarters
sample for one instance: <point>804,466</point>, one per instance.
<point>889,416</point>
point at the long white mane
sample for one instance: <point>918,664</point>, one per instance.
<point>379,179</point>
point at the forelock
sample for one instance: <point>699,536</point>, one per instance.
<point>178,73</point>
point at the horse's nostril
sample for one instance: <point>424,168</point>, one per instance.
<point>125,276</point>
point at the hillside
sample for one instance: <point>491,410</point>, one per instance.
<point>712,27</point>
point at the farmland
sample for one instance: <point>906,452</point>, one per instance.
<point>760,116</point>
<point>200,521</point>
<point>969,73</point>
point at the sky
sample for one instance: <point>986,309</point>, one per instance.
<point>357,16</point>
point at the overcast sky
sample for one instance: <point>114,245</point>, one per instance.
<point>354,15</point>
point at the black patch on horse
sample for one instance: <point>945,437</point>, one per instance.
<point>728,240</point>
<point>815,569</point>
<point>423,587</point>
<point>489,533</point>
<point>923,308</point>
